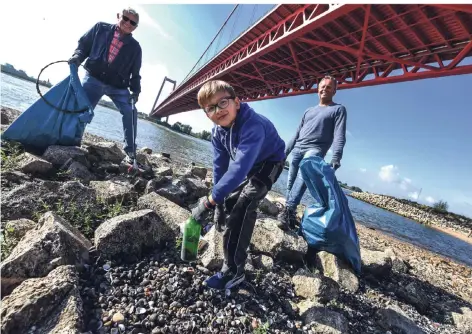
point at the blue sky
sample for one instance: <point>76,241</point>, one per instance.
<point>402,137</point>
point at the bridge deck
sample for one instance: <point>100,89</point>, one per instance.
<point>287,52</point>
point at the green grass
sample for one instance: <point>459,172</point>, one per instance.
<point>87,217</point>
<point>10,152</point>
<point>262,329</point>
<point>7,242</point>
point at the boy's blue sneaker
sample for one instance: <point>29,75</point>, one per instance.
<point>223,281</point>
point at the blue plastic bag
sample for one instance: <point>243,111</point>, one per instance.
<point>328,225</point>
<point>42,125</point>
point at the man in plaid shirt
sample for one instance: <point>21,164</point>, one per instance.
<point>113,65</point>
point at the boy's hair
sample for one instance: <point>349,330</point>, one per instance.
<point>210,88</point>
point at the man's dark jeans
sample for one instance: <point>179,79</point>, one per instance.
<point>95,89</point>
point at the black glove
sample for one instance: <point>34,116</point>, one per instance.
<point>219,219</point>
<point>203,207</point>
<point>335,164</point>
<point>75,59</point>
<point>134,97</point>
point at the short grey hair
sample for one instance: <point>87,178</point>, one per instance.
<point>131,11</point>
<point>329,77</point>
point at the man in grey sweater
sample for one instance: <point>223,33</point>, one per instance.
<point>320,127</point>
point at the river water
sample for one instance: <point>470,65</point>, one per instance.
<point>20,94</point>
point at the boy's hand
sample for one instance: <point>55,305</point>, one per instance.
<point>220,218</point>
<point>198,213</point>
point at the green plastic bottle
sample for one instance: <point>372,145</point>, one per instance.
<point>190,240</point>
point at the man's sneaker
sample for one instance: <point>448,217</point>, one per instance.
<point>286,219</point>
<point>223,281</point>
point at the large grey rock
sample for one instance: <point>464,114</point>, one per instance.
<point>51,304</point>
<point>463,320</point>
<point>199,172</point>
<point>212,258</point>
<point>338,270</point>
<point>269,239</point>
<point>173,193</point>
<point>129,234</point>
<point>164,171</point>
<point>170,213</point>
<point>61,155</point>
<point>108,167</point>
<point>263,262</point>
<point>393,318</point>
<point>322,320</point>
<point>53,243</point>
<point>79,171</point>
<point>18,228</point>
<point>156,183</point>
<point>398,264</point>
<point>192,188</point>
<point>107,151</point>
<point>268,207</point>
<point>376,262</point>
<point>414,294</point>
<point>32,164</point>
<point>29,198</point>
<point>8,115</point>
<point>118,189</point>
<point>314,287</point>
<point>145,150</point>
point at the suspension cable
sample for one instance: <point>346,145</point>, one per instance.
<point>234,9</point>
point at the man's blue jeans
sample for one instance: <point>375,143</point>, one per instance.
<point>296,187</point>
<point>95,89</point>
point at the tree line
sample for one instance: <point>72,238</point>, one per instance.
<point>178,127</point>
<point>11,70</point>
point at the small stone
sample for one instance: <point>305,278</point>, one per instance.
<point>118,317</point>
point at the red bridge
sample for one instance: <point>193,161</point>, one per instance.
<point>291,48</point>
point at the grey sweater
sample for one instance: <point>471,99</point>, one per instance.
<point>321,127</point>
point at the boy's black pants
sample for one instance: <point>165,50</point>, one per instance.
<point>241,205</point>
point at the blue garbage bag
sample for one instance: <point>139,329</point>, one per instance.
<point>62,121</point>
<point>328,224</point>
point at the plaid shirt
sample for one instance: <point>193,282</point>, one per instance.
<point>115,46</point>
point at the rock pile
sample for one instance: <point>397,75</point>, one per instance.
<point>461,225</point>
<point>94,251</point>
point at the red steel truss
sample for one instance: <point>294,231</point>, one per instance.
<point>289,50</point>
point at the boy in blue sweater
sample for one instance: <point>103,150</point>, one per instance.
<point>248,159</point>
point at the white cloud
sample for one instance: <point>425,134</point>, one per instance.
<point>430,200</point>
<point>389,173</point>
<point>145,19</point>
<point>405,183</point>
<point>363,170</point>
<point>413,195</point>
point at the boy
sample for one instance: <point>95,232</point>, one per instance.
<point>248,159</point>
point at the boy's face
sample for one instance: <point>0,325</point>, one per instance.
<point>222,109</point>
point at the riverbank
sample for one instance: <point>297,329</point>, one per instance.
<point>453,224</point>
<point>91,249</point>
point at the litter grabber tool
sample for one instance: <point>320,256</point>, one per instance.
<point>133,169</point>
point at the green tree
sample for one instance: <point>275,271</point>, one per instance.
<point>441,206</point>
<point>177,126</point>
<point>205,135</point>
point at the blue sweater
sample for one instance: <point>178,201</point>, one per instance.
<point>251,139</point>
<point>321,127</point>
